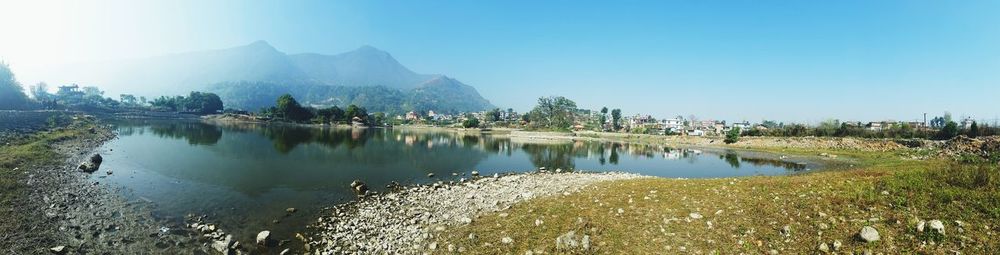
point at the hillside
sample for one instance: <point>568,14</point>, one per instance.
<point>253,75</point>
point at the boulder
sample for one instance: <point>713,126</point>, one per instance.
<point>263,237</point>
<point>96,159</point>
<point>475,173</point>
<point>291,210</point>
<point>868,234</point>
<point>936,226</point>
<point>223,245</point>
<point>430,175</point>
<point>359,187</point>
<point>567,241</point>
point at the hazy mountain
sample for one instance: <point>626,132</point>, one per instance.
<point>323,79</point>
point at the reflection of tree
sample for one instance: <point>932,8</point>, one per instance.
<point>285,138</point>
<point>550,156</point>
<point>773,162</point>
<point>732,159</point>
<point>614,154</point>
<point>600,151</point>
<point>195,132</point>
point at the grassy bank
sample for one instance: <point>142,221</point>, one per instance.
<point>749,215</point>
<point>18,158</point>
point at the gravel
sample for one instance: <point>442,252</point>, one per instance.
<point>404,221</point>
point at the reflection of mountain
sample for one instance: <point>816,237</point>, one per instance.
<point>254,159</point>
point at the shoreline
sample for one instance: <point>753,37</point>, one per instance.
<point>404,221</point>
<point>72,212</point>
<point>87,216</point>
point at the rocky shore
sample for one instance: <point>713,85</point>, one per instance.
<point>69,211</point>
<point>404,221</point>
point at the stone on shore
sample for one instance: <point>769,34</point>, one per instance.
<point>569,242</point>
<point>868,234</point>
<point>263,237</point>
<point>936,226</point>
<point>359,187</point>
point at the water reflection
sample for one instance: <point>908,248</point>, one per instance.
<point>285,139</point>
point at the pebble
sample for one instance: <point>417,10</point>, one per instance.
<point>506,240</point>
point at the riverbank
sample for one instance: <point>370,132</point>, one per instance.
<point>50,206</point>
<point>931,206</point>
<point>892,199</point>
<point>407,221</point>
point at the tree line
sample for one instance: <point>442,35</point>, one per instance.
<point>286,108</point>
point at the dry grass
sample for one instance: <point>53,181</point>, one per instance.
<point>746,215</point>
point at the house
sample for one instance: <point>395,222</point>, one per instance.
<point>357,122</point>
<point>413,116</point>
<point>673,125</point>
<point>743,126</point>
<point>881,125</point>
<point>967,123</point>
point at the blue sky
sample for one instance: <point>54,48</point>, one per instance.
<point>733,60</point>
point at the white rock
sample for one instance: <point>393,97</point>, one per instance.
<point>937,226</point>
<point>920,226</point>
<point>869,234</point>
<point>695,215</point>
<point>58,249</point>
<point>506,240</point>
<point>824,248</point>
<point>263,237</point>
<point>837,244</point>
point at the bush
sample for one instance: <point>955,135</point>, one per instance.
<point>733,136</point>
<point>470,123</point>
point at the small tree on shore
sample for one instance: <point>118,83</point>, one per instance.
<point>974,130</point>
<point>733,136</point>
<point>950,130</point>
<point>470,122</point>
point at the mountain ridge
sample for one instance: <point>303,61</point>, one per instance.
<point>260,62</point>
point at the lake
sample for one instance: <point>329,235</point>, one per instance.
<point>244,176</point>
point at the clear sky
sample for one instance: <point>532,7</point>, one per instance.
<point>730,60</point>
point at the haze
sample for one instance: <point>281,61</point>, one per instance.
<point>792,61</point>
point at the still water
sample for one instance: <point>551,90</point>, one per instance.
<point>244,176</point>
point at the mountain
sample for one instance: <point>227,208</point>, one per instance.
<point>366,76</point>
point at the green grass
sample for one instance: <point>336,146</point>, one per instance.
<point>883,186</point>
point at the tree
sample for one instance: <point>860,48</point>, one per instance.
<point>974,130</point>
<point>554,113</point>
<point>203,102</point>
<point>603,118</point>
<point>494,114</point>
<point>950,130</point>
<point>128,99</point>
<point>12,95</point>
<point>616,117</point>
<point>290,109</point>
<point>470,122</point>
<point>733,136</point>
<point>356,111</point>
<point>40,91</point>
<point>333,113</point>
